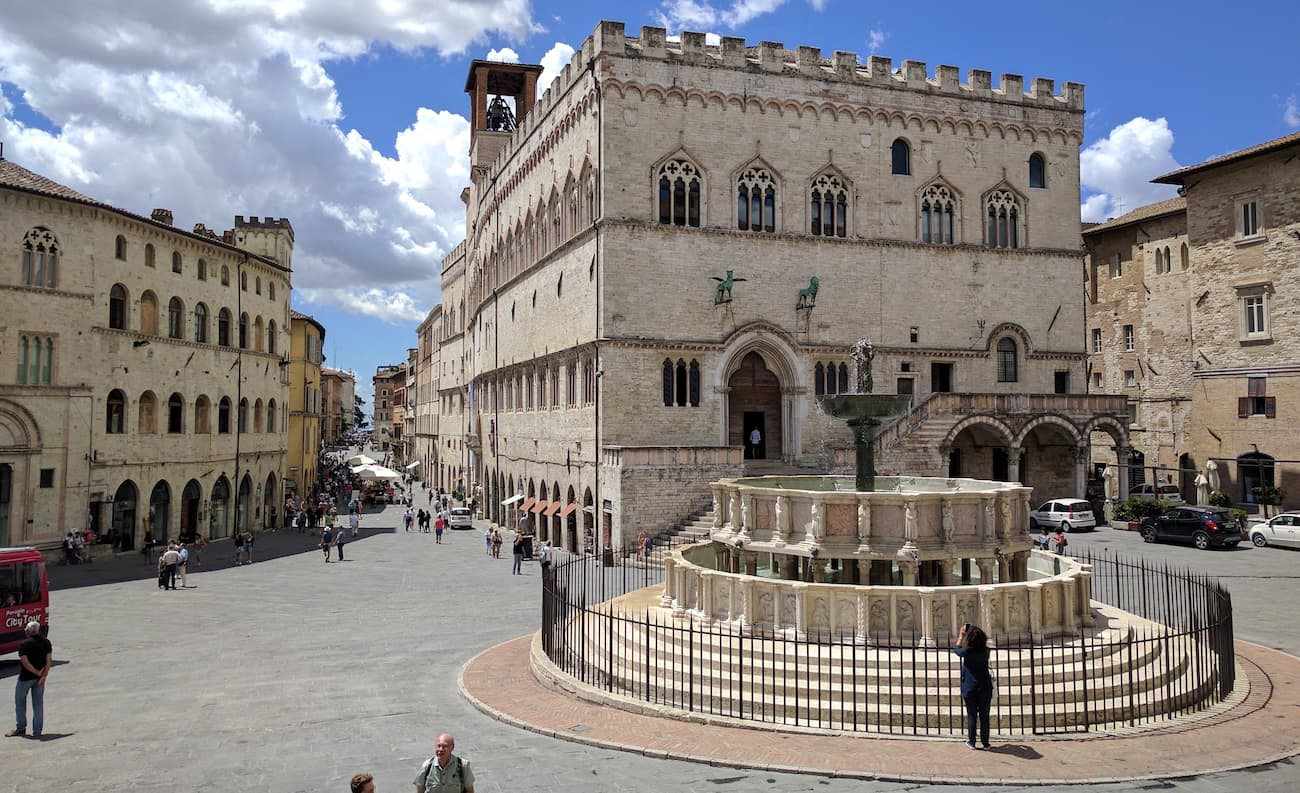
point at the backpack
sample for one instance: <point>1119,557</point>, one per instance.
<point>428,766</point>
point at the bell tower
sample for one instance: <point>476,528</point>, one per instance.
<point>491,119</point>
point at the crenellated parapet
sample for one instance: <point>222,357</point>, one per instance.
<point>267,223</point>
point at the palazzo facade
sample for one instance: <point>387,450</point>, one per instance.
<point>673,250</point>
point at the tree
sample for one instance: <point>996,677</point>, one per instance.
<point>359,413</point>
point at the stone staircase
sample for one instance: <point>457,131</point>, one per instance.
<point>1135,672</point>
<point>694,527</point>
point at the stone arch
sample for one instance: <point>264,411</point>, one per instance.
<point>1110,425</point>
<point>1012,329</point>
<point>18,429</point>
<point>996,425</point>
<point>1067,426</point>
<point>779,356</point>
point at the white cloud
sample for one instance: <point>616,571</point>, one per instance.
<point>552,63</point>
<point>224,107</point>
<point>876,40</point>
<point>701,15</point>
<point>1291,115</point>
<point>1118,169</point>
<point>503,55</point>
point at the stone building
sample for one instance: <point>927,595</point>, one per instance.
<point>338,392</point>
<point>306,403</point>
<point>387,382</point>
<point>144,392</point>
<point>678,244</point>
<point>424,439</point>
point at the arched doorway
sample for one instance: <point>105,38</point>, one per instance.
<point>754,406</point>
<point>557,523</point>
<point>1051,460</point>
<point>219,515</point>
<point>978,447</point>
<point>543,525</point>
<point>122,533</point>
<point>1254,470</point>
<point>589,517</point>
<point>570,516</point>
<point>269,513</point>
<point>243,503</point>
<point>160,510</point>
<point>191,497</point>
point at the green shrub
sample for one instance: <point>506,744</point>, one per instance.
<point>1240,516</point>
<point>1138,508</point>
<point>1218,498</point>
<point>1122,511</point>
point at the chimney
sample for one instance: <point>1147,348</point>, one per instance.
<point>163,216</point>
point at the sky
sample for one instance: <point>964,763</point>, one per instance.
<point>349,116</point>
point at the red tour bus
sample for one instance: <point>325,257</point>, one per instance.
<point>24,595</point>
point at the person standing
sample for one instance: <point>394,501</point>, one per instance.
<point>326,540</point>
<point>34,657</point>
<point>445,772</point>
<point>182,564</point>
<point>518,549</point>
<point>167,564</point>
<point>354,523</point>
<point>976,682</point>
<point>248,548</point>
<point>340,538</point>
<point>438,525</point>
<point>487,540</point>
<point>1060,542</point>
<point>496,543</point>
<point>755,438</point>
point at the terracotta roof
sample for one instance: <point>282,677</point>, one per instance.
<point>1180,176</point>
<point>1170,207</point>
<point>14,175</point>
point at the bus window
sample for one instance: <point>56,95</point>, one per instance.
<point>20,583</point>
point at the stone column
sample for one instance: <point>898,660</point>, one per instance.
<point>1013,463</point>
<point>1035,592</point>
<point>864,520</point>
<point>909,572</point>
<point>1122,455</point>
<point>945,572</point>
<point>800,610</point>
<point>670,582</point>
<point>927,618</point>
<point>749,563</point>
<point>1080,471</point>
<point>1084,592</point>
<point>783,517</point>
<point>986,565</point>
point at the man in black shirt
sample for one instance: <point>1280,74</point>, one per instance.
<point>34,655</point>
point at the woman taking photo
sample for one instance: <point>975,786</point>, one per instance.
<point>976,682</point>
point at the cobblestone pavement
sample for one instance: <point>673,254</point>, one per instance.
<point>291,675</point>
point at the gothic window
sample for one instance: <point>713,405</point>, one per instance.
<point>202,270</point>
<point>150,257</point>
<point>257,415</point>
<point>1007,360</point>
<point>40,258</point>
<point>829,206</point>
<point>528,391</point>
<point>115,412</point>
<point>176,262</point>
<point>900,156</point>
<point>175,319</point>
<point>270,336</point>
<point>819,379</point>
<point>200,323</point>
<point>1160,261</point>
<point>541,390</point>
<point>555,387</point>
<point>243,416</point>
<point>681,383</point>
<point>756,201</point>
<point>117,307</point>
<point>938,213</point>
<point>243,282</point>
<point>22,361</point>
<point>243,332</point>
<point>695,384</point>
<point>270,289</point>
<point>225,275</point>
<point>223,416</point>
<point>1037,170</point>
<point>844,379</point>
<point>175,414</point>
<point>571,384</point>
<point>1183,257</point>
<point>223,327</point>
<point>201,408</point>
<point>149,314</point>
<point>257,285</point>
<point>258,337</point>
<point>1003,220</point>
<point>679,193</point>
<point>270,416</point>
<point>148,412</point>
<point>119,248</point>
<point>668,382</point>
<point>1169,261</point>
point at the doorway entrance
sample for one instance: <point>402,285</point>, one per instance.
<point>754,403</point>
<point>6,491</point>
<point>191,496</point>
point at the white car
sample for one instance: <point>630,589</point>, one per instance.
<point>1167,493</point>
<point>461,518</point>
<point>1281,530</point>
<point>1068,514</point>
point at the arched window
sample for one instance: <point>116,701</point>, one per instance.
<point>1256,472</point>
<point>223,327</point>
<point>119,248</point>
<point>175,414</point>
<point>243,281</point>
<point>828,206</point>
<point>243,331</point>
<point>148,414</point>
<point>201,323</point>
<point>176,262</point>
<point>270,289</point>
<point>257,415</point>
<point>149,314</point>
<point>900,157</point>
<point>681,383</point>
<point>270,336</point>
<point>40,258</point>
<point>243,415</point>
<point>115,413</point>
<point>117,307</point>
<point>844,379</point>
<point>150,256</point>
<point>257,285</point>
<point>270,416</point>
<point>756,200</point>
<point>1169,260</point>
<point>22,360</point>
<point>223,416</point>
<point>668,382</point>
<point>1182,255</point>
<point>1003,220</point>
<point>202,270</point>
<point>695,383</point>
<point>938,213</point>
<point>1007,360</point>
<point>1037,170</point>
<point>679,193</point>
<point>1160,261</point>
<point>201,419</point>
<point>258,339</point>
<point>555,386</point>
<point>225,275</point>
<point>819,379</point>
<point>175,319</point>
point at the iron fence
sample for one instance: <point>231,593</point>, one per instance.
<point>1176,658</point>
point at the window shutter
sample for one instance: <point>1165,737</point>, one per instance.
<point>1243,407</point>
<point>1270,407</point>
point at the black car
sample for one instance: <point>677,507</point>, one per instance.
<point>1203,527</point>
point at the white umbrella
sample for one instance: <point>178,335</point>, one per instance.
<point>374,472</point>
<point>1212,473</point>
<point>361,459</point>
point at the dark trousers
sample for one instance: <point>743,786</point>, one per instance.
<point>977,708</point>
<point>339,546</point>
<point>167,578</point>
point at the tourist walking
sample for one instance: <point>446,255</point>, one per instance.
<point>518,549</point>
<point>34,658</point>
<point>445,772</point>
<point>326,540</point>
<point>755,438</point>
<point>248,547</point>
<point>438,525</point>
<point>487,540</point>
<point>354,523</point>
<point>167,563</point>
<point>340,538</point>
<point>976,682</point>
<point>496,543</point>
<point>1060,542</point>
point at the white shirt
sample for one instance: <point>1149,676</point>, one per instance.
<point>755,437</point>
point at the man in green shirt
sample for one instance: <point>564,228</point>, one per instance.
<point>445,772</point>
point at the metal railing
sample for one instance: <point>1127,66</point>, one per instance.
<point>1177,658</point>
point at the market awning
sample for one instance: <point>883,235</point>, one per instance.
<point>413,464</point>
<point>539,506</point>
<point>531,501</point>
<point>512,499</point>
<point>568,508</point>
<point>553,508</point>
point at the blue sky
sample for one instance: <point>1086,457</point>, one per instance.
<point>348,116</point>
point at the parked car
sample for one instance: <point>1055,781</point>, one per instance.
<point>461,518</point>
<point>1068,514</point>
<point>1281,529</point>
<point>1167,493</point>
<point>1204,527</point>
